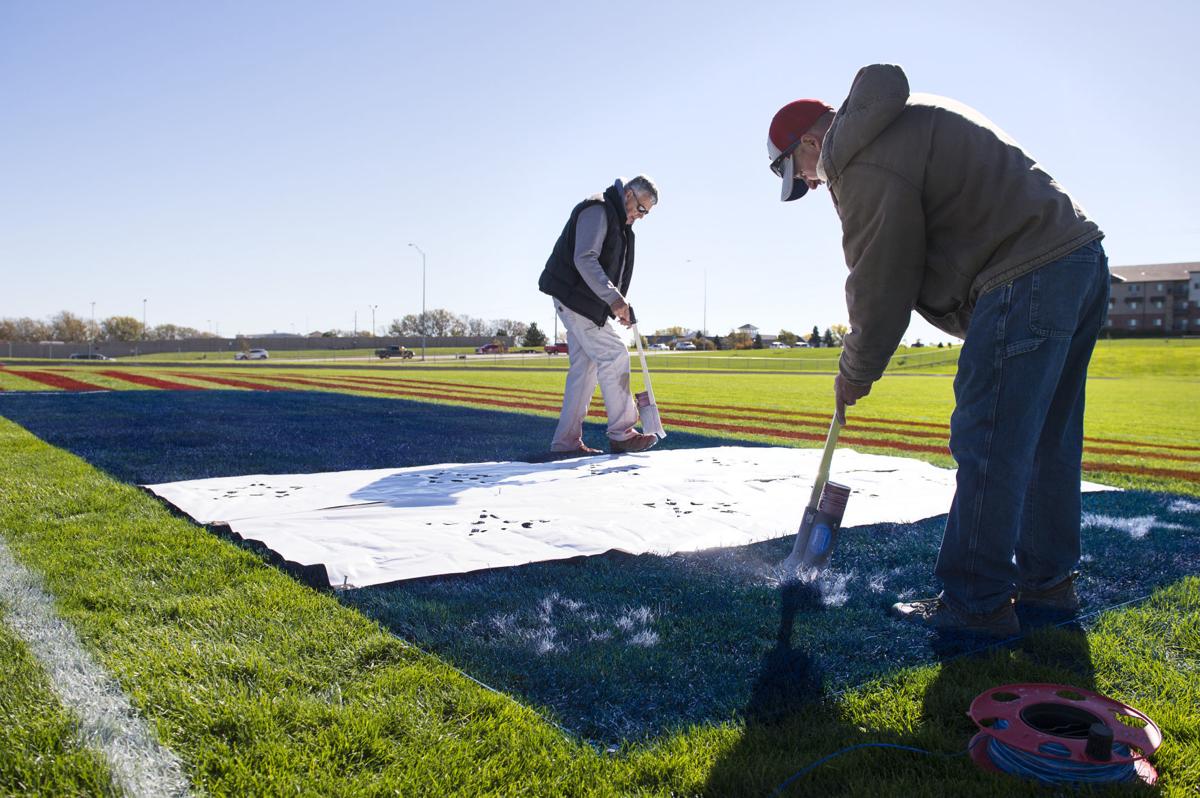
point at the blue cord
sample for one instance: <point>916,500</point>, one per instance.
<point>1009,760</point>
<point>1052,770</point>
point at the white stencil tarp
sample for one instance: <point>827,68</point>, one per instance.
<point>384,525</point>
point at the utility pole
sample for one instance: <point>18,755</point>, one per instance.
<point>374,330</point>
<point>423,320</point>
<point>92,331</point>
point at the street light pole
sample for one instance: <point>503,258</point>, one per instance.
<point>92,331</point>
<point>423,320</point>
<point>374,331</point>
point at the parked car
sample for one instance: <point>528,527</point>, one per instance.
<point>86,356</point>
<point>393,351</point>
<point>779,345</point>
<point>684,346</point>
<point>490,349</point>
<point>658,346</point>
<point>556,349</point>
<point>252,354</point>
<point>800,345</point>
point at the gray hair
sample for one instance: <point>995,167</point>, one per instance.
<point>645,185</point>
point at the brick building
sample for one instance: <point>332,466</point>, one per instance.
<point>1162,299</point>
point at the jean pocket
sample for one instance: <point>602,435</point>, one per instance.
<point>1055,296</point>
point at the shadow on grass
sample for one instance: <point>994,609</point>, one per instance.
<point>797,742</point>
<point>621,648</point>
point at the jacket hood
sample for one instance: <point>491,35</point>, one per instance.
<point>877,96</point>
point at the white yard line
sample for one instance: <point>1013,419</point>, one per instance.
<point>107,721</point>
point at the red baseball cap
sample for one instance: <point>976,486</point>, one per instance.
<point>790,123</point>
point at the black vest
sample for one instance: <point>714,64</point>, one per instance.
<point>561,280</point>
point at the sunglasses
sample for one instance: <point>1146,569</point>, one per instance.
<point>642,209</point>
<point>777,164</point>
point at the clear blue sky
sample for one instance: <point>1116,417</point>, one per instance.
<point>263,165</point>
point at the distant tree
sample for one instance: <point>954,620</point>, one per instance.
<point>828,339</point>
<point>814,339</point>
<point>739,339</point>
<point>839,332</point>
<point>439,322</point>
<point>510,327</point>
<point>534,336</point>
<point>478,327</point>
<point>24,329</point>
<point>758,341</point>
<point>120,328</point>
<point>717,343</point>
<point>787,337</point>
<point>705,344</point>
<point>674,332</point>
<point>173,332</point>
<point>66,326</point>
<point>939,344</point>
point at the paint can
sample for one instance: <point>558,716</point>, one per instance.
<point>823,523</point>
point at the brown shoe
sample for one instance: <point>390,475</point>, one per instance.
<point>1057,598</point>
<point>935,614</point>
<point>638,443</point>
<point>583,450</point>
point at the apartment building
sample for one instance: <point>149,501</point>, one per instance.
<point>1161,299</point>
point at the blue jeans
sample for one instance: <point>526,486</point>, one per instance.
<point>1017,432</point>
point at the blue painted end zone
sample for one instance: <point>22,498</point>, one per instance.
<point>147,437</point>
<point>616,647</point>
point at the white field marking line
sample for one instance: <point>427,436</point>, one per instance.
<point>107,721</point>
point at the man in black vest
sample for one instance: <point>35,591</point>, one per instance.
<point>588,276</point>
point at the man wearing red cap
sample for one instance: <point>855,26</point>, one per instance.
<point>945,214</point>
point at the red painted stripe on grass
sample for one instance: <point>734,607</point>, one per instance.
<point>152,382</point>
<point>938,428</point>
<point>816,437</point>
<point>254,386</point>
<point>1173,446</point>
<point>1134,449</point>
<point>59,381</point>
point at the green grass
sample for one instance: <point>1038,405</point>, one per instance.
<point>265,687</point>
<point>39,754</point>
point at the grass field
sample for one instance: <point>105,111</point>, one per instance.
<point>265,687</point>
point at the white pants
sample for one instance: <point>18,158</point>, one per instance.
<point>597,355</point>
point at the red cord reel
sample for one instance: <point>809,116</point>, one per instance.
<point>1060,723</point>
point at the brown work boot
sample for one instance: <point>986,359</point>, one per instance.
<point>937,615</point>
<point>1056,598</point>
<point>638,443</point>
<point>582,450</point>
